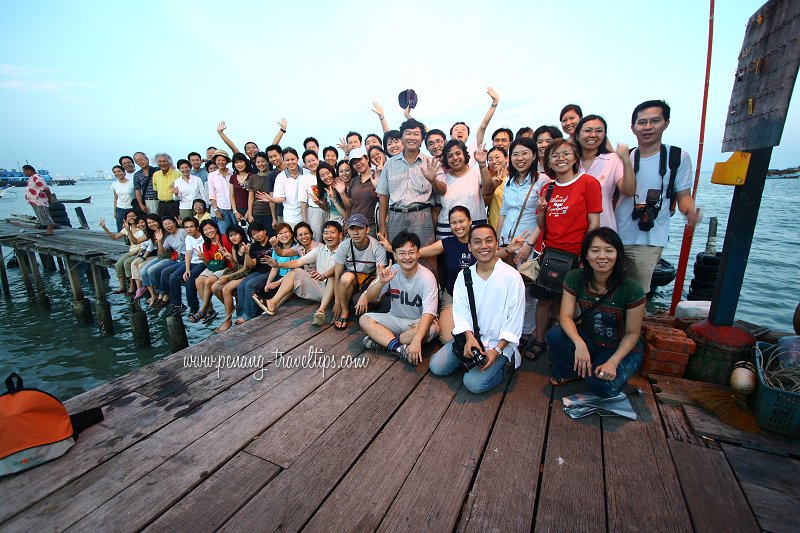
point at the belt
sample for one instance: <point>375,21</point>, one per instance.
<point>414,209</point>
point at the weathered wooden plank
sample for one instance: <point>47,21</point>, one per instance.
<point>705,424</point>
<point>770,484</point>
<point>431,497</point>
<point>722,509</point>
<point>678,428</point>
<point>641,483</point>
<point>86,493</point>
<point>154,493</point>
<point>302,487</point>
<point>675,391</point>
<point>361,499</point>
<point>502,497</point>
<point>289,437</point>
<point>221,494</point>
<point>241,337</point>
<point>571,495</point>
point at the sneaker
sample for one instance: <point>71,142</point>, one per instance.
<point>370,344</point>
<point>403,353</point>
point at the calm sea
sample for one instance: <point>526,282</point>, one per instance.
<point>52,352</point>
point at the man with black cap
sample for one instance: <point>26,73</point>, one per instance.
<point>357,260</point>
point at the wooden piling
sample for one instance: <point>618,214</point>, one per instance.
<point>176,334</point>
<point>4,276</point>
<point>41,297</point>
<point>26,276</point>
<point>81,218</point>
<point>139,326</point>
<point>102,309</point>
<point>83,311</point>
<point>48,263</point>
<point>61,267</point>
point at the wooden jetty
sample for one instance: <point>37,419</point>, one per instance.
<point>388,447</point>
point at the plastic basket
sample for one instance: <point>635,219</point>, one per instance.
<point>776,409</point>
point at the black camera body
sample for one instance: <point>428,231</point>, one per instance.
<point>647,212</point>
<point>477,359</point>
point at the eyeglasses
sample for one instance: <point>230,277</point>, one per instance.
<point>653,122</point>
<point>559,155</point>
<point>589,131</point>
<point>405,254</point>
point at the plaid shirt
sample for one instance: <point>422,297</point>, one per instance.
<point>404,184</point>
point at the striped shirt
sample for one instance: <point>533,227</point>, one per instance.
<point>404,184</point>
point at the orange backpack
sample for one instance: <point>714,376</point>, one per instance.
<point>35,426</point>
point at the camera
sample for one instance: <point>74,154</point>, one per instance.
<point>647,212</point>
<point>478,359</point>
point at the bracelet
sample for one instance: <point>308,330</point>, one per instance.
<point>530,244</point>
<point>283,130</point>
<point>482,166</point>
<point>380,117</point>
<point>494,105</point>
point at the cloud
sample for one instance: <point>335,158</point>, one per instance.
<point>29,79</point>
<point>44,86</point>
<point>18,71</point>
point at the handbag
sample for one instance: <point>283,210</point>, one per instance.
<point>460,339</point>
<point>555,263</point>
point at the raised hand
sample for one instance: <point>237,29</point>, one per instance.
<point>282,123</point>
<point>623,151</point>
<point>343,145</point>
<point>481,154</point>
<point>159,234</point>
<point>541,205</point>
<point>387,273</point>
<point>377,109</point>
<point>221,127</point>
<point>102,223</point>
<point>493,94</point>
<point>431,169</point>
<point>407,112</point>
<point>339,186</point>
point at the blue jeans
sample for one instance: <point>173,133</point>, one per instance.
<point>562,355</point>
<point>147,279</point>
<point>226,220</point>
<point>176,280</point>
<point>154,274</point>
<point>119,215</point>
<point>162,284</point>
<point>245,306</point>
<point>444,363</point>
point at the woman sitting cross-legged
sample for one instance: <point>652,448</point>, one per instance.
<point>602,344</point>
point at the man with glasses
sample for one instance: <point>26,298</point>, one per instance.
<point>643,219</point>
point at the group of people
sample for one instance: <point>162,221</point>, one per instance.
<point>387,219</point>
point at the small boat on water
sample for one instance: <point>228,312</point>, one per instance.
<point>86,200</point>
<point>4,190</point>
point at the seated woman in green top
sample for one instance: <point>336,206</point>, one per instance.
<point>602,343</point>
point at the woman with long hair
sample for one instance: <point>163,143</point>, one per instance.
<point>333,192</point>
<point>344,171</point>
<point>226,285</point>
<point>569,117</point>
<point>123,195</point>
<point>218,258</point>
<point>613,170</point>
<point>543,136</point>
<point>497,160</point>
<point>239,195</point>
<point>147,258</point>
<point>568,208</point>
<point>601,344</point>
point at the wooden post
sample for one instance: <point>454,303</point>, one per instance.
<point>4,276</point>
<point>139,326</point>
<point>83,312</point>
<point>22,261</point>
<point>61,267</point>
<point>48,263</point>
<point>41,296</point>
<point>102,308</point>
<point>176,333</point>
<point>738,238</point>
<point>81,218</point>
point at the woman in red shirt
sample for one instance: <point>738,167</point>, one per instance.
<point>218,257</point>
<point>568,208</point>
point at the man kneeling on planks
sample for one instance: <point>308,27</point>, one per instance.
<point>415,301</point>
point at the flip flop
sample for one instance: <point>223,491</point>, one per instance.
<point>558,382</point>
<point>262,305</point>
<point>534,347</point>
<point>211,315</point>
<point>319,318</point>
<point>341,323</point>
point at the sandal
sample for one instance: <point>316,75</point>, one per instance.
<point>558,382</point>
<point>319,318</point>
<point>534,347</point>
<point>262,305</point>
<point>196,317</point>
<point>340,323</point>
<point>211,315</point>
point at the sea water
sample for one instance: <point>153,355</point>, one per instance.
<point>51,351</point>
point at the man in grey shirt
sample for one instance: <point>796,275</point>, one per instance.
<point>415,301</point>
<point>357,260</point>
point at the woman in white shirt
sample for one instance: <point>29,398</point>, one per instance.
<point>123,195</point>
<point>187,189</point>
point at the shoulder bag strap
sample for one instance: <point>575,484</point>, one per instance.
<point>595,305</point>
<point>522,208</point>
<point>471,295</point>
<point>550,188</point>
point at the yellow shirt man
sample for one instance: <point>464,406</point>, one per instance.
<point>162,184</point>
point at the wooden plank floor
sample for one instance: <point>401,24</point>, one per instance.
<point>384,446</point>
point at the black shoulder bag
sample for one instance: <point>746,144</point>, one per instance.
<point>554,263</point>
<point>460,339</point>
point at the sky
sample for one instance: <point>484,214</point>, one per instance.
<point>83,82</point>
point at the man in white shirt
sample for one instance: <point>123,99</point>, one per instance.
<point>192,267</point>
<point>643,219</point>
<point>500,308</point>
<point>411,320</point>
<point>289,189</point>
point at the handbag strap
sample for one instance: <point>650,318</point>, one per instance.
<point>471,295</point>
<point>595,305</point>
<point>353,256</point>
<point>522,208</point>
<point>550,187</point>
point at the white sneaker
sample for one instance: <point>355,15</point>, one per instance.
<point>403,353</point>
<point>370,344</point>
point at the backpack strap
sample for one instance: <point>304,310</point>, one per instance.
<point>85,419</point>
<point>674,163</point>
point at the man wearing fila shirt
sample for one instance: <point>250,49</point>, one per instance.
<point>415,300</point>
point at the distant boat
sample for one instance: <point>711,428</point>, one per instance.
<point>4,190</point>
<point>86,200</point>
<point>18,179</point>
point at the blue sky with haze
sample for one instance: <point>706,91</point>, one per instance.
<point>83,82</point>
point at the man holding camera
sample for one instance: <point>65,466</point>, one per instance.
<point>663,181</point>
<point>499,296</point>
